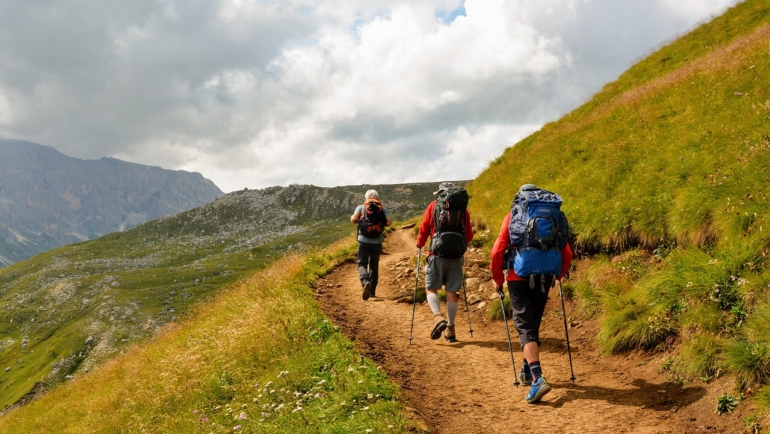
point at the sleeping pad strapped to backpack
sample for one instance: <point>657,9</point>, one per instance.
<point>448,240</point>
<point>538,231</point>
<point>372,222</point>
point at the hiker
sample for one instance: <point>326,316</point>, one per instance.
<point>372,219</point>
<point>533,247</point>
<point>448,223</point>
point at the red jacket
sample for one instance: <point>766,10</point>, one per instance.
<point>428,229</point>
<point>498,253</point>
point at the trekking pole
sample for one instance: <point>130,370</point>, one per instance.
<point>467,306</point>
<point>510,346</point>
<point>569,351</point>
<point>414,299</point>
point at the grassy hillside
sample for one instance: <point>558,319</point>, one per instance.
<point>666,184</point>
<point>65,311</point>
<point>260,357</point>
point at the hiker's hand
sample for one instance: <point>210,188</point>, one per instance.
<point>501,294</point>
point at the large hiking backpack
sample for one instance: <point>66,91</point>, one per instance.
<point>448,240</point>
<point>538,232</point>
<point>372,222</point>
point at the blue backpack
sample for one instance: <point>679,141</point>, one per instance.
<point>538,232</point>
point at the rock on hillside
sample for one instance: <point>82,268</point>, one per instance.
<point>48,199</point>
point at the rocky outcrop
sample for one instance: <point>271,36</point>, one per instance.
<point>48,199</point>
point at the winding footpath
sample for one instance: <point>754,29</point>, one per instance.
<point>468,386</point>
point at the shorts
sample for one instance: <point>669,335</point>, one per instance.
<point>528,306</point>
<point>447,272</point>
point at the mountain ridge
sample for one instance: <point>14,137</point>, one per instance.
<point>48,199</point>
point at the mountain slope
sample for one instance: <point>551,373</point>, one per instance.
<point>664,176</point>
<point>66,310</point>
<point>48,199</point>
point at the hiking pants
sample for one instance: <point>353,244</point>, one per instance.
<point>368,263</point>
<point>528,307</point>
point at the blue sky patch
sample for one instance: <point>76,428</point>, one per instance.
<point>449,16</point>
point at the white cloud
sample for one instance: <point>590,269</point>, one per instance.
<point>329,92</point>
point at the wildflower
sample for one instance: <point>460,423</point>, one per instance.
<point>264,414</point>
<point>283,374</point>
<point>297,394</point>
<point>689,284</point>
<point>297,409</point>
<point>242,416</point>
<point>369,430</point>
<point>269,383</point>
<point>195,411</point>
<point>236,427</point>
<point>365,409</point>
<point>272,391</point>
<point>350,368</point>
<point>279,407</point>
<point>256,386</point>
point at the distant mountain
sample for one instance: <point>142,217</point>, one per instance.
<point>48,199</point>
<point>65,311</point>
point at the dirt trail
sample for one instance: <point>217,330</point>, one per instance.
<point>467,387</point>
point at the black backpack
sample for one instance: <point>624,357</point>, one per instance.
<point>372,222</point>
<point>448,240</point>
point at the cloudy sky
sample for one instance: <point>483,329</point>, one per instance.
<point>254,93</point>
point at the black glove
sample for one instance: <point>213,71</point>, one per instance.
<point>501,294</point>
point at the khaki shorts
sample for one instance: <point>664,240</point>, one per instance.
<point>447,272</point>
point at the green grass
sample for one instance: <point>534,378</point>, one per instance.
<point>665,184</point>
<point>124,287</point>
<point>260,355</point>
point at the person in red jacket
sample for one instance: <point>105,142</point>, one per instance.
<point>528,305</point>
<point>443,271</point>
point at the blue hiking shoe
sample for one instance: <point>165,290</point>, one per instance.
<point>525,378</point>
<point>538,390</point>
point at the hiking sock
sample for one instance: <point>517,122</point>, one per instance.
<point>434,303</point>
<point>525,369</point>
<point>537,372</point>
<point>451,312</point>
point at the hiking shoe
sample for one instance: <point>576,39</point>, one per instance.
<point>367,289</point>
<point>450,334</point>
<point>538,390</point>
<point>440,326</point>
<point>525,378</point>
